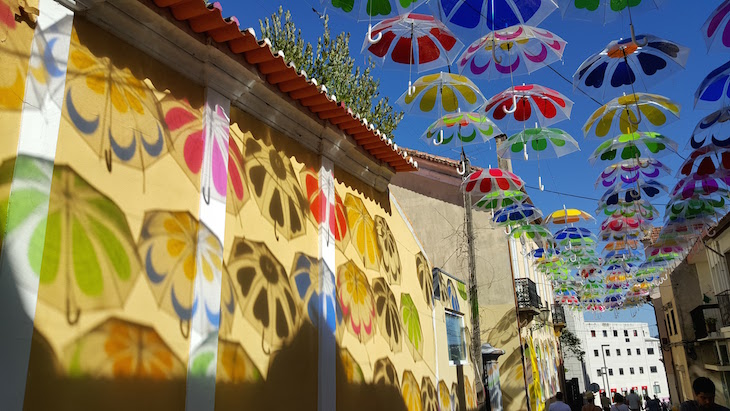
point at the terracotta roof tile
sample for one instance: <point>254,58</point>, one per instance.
<point>272,65</point>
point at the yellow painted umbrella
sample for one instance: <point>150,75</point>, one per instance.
<point>442,93</point>
<point>411,392</point>
<point>356,299</point>
<point>444,396</point>
<point>623,114</point>
<point>567,216</point>
<point>362,231</point>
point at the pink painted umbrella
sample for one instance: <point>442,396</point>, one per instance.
<point>521,106</point>
<point>716,30</point>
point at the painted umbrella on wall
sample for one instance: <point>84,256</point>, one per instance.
<point>411,392</point>
<point>79,254</point>
<point>267,298</point>
<point>323,207</point>
<point>425,278</point>
<point>388,316</point>
<point>183,262</point>
<point>441,93</point>
<point>120,349</point>
<point>412,326</point>
<point>716,30</point>
<point>429,396</point>
<point>623,115</point>
<point>519,106</point>
<point>353,371</point>
<point>314,286</point>
<point>356,299</point>
<point>388,246</point>
<point>513,51</point>
<point>624,63</point>
<point>226,361</point>
<point>276,188</point>
<point>385,373</point>
<point>444,396</point>
<point>362,230</point>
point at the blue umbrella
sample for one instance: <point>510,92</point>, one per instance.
<point>516,214</point>
<point>713,93</point>
<point>623,63</point>
<point>712,130</point>
<point>630,192</point>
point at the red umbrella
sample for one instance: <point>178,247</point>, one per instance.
<point>486,181</point>
<point>527,104</point>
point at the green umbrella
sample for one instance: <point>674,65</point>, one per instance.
<point>461,129</point>
<point>634,145</point>
<point>532,232</point>
<point>501,198</point>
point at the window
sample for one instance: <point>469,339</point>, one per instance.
<point>615,333</point>
<point>667,324</point>
<point>595,353</point>
<point>593,333</point>
<point>618,352</point>
<point>627,340</point>
<point>605,333</point>
<point>610,371</point>
<point>626,333</point>
<point>620,371</point>
<point>598,372</point>
<point>636,333</point>
<point>608,353</point>
<point>638,351</point>
<point>652,369</point>
<point>628,351</point>
<point>631,370</point>
<point>650,351</point>
<point>455,338</point>
<point>674,322</point>
<point>641,370</point>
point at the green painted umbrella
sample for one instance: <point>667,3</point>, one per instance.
<point>634,145</point>
<point>500,199</point>
<point>460,129</point>
<point>532,232</point>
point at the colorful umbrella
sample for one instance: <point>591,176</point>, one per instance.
<point>532,232</point>
<point>716,31</point>
<point>411,392</point>
<point>89,260</point>
<point>706,161</point>
<point>385,373</point>
<point>460,129</point>
<point>412,326</point>
<point>452,296</point>
<point>567,216</point>
<point>694,208</point>
<point>356,299</point>
<point>694,186</point>
<point>268,301</point>
<point>624,114</point>
<point>226,361</point>
<point>362,230</point>
<point>518,213</point>
<point>483,182</point>
<point>711,129</point>
<point>527,104</point>
<point>604,11</point>
<point>389,256</point>
<point>425,278</point>
<point>413,40</point>
<point>573,233</point>
<point>120,349</point>
<point>541,142</point>
<point>469,17</point>
<point>444,396</point>
<point>441,93</point>
<point>712,94</point>
<point>276,188</point>
<point>628,209</point>
<point>314,287</point>
<point>372,10</point>
<point>632,146</point>
<point>625,63</point>
<point>513,51</point>
<point>324,208</point>
<point>501,198</point>
<point>182,260</point>
<point>630,192</point>
<point>352,370</point>
<point>429,397</point>
<point>387,314</point>
<point>630,171</point>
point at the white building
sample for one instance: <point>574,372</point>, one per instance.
<point>618,357</point>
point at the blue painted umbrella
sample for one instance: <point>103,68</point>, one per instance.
<point>314,287</point>
<point>623,63</point>
<point>472,19</point>
<point>573,233</point>
<point>713,130</point>
<point>713,93</point>
<point>518,213</point>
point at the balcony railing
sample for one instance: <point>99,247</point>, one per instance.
<point>723,301</point>
<point>705,320</point>
<point>527,298</point>
<point>558,315</point>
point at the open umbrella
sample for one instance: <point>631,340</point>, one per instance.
<point>712,93</point>
<point>541,142</point>
<point>314,286</point>
<point>512,51</point>
<point>624,114</point>
<point>630,171</point>
<point>412,326</point>
<point>694,186</point>
<point>716,30</point>
<point>372,10</point>
<point>706,161</point>
<point>712,130</point>
<point>441,93</point>
<point>516,214</point>
<point>694,208</point>
<point>324,208</point>
<point>625,63</point>
<point>226,361</point>
<point>411,392</point>
<point>528,104</point>
<point>425,278</point>
<point>389,256</point>
<point>532,232</point>
<point>356,299</point>
<point>362,230</point>
<point>604,11</point>
<point>567,216</point>
<point>387,314</point>
<point>501,198</point>
<point>630,192</point>
<point>485,181</point>
<point>460,129</point>
<point>632,146</point>
<point>89,260</point>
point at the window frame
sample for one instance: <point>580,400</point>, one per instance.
<point>653,369</point>
<point>650,351</point>
<point>595,353</point>
<point>462,333</point>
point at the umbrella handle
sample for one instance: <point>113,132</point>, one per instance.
<point>411,88</point>
<point>633,38</point>
<point>185,328</point>
<point>527,156</point>
<point>377,38</point>
<point>638,116</point>
<point>440,139</point>
<point>508,230</point>
<point>539,183</point>
<point>514,106</point>
<point>108,159</point>
<point>72,319</point>
<point>206,199</point>
<point>494,51</point>
<point>461,169</point>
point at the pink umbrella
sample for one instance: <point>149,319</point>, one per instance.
<point>526,104</point>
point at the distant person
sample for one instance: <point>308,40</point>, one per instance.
<point>590,405</point>
<point>605,402</point>
<point>619,405</point>
<point>653,404</point>
<point>634,401</point>
<point>704,390</point>
<point>559,405</point>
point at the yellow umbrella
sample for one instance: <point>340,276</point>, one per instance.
<point>232,363</point>
<point>429,397</point>
<point>567,216</point>
<point>444,396</point>
<point>362,232</point>
<point>411,392</point>
<point>441,93</point>
<point>622,115</point>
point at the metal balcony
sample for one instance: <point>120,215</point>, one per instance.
<point>705,320</point>
<point>558,316</point>
<point>527,299</point>
<point>723,301</point>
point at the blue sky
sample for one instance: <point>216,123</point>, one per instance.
<point>678,20</point>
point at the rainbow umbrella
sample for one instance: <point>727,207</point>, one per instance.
<point>624,114</point>
<point>710,129</point>
<point>460,129</point>
<point>716,30</point>
<point>567,216</point>
<point>441,93</point>
<point>527,104</point>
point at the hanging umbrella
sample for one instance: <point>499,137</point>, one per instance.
<point>314,286</point>
<point>385,373</point>
<point>518,213</point>
<point>711,129</point>
<point>630,192</point>
<point>441,93</point>
<point>276,188</point>
<point>268,301</point>
<point>483,182</point>
<point>706,161</point>
<point>605,11</point>
<point>501,198</point>
<point>544,254</point>
<point>425,278</point>
<point>716,31</point>
<point>630,171</point>
<point>429,397</point>
<point>641,207</point>
<point>694,208</point>
<point>469,17</point>
<point>565,294</point>
<point>89,260</point>
<point>712,94</point>
<point>362,10</point>
<point>634,145</point>
<point>624,114</point>
<point>527,104</point>
<point>413,40</point>
<point>694,186</point>
<point>541,142</point>
<point>387,314</point>
<point>226,361</point>
<point>356,299</point>
<point>624,63</point>
<point>411,392</point>
<point>362,230</point>
<point>567,216</point>
<point>412,326</point>
<point>389,256</point>
<point>513,51</point>
<point>575,236</point>
<point>323,207</point>
<point>120,349</point>
<point>460,129</point>
<point>532,232</point>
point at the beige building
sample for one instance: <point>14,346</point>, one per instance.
<point>435,206</point>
